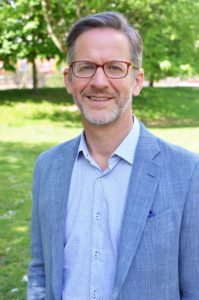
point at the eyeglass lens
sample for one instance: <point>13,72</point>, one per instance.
<point>113,69</point>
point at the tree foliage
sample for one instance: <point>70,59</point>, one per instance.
<point>23,34</point>
<point>170,30</point>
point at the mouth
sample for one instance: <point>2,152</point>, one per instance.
<point>99,98</point>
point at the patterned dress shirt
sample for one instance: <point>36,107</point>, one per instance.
<point>94,215</point>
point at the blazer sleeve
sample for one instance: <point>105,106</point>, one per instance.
<point>189,242</point>
<point>36,272</point>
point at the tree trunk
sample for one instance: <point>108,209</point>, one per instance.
<point>50,21</point>
<point>34,75</point>
<point>78,8</point>
<point>151,81</point>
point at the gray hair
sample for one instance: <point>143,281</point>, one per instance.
<point>107,20</point>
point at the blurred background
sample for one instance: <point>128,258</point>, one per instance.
<point>33,38</point>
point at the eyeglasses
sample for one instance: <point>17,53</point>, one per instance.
<point>112,69</point>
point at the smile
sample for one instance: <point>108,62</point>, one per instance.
<point>102,99</point>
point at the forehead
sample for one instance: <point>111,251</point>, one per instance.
<point>102,44</point>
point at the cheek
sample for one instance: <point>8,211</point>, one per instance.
<point>127,90</point>
<point>79,86</point>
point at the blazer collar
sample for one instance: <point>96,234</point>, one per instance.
<point>142,188</point>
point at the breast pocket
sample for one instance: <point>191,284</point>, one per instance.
<point>159,223</point>
<point>155,264</point>
<point>159,237</point>
<point>158,247</point>
<point>156,258</point>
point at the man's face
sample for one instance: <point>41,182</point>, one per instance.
<point>100,99</point>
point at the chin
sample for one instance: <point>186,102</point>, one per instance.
<point>105,119</point>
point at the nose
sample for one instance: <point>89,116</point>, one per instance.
<point>99,80</point>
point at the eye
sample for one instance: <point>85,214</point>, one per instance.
<point>84,67</point>
<point>115,67</point>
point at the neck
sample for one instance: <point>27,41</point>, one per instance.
<point>104,139</point>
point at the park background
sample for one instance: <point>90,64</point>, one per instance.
<point>36,112</point>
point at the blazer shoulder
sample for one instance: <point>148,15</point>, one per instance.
<point>174,152</point>
<point>167,149</point>
<point>180,163</point>
<point>57,152</point>
<point>174,159</point>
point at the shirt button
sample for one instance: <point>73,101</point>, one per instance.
<point>94,294</point>
<point>96,255</point>
<point>97,216</point>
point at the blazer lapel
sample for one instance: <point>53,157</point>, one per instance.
<point>143,185</point>
<point>60,184</point>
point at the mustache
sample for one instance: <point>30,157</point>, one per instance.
<point>98,92</point>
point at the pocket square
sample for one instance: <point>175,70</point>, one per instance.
<point>151,214</point>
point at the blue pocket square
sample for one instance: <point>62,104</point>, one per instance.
<point>151,214</point>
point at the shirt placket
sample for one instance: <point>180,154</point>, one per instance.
<point>97,240</point>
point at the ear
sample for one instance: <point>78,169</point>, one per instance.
<point>68,80</point>
<point>138,84</point>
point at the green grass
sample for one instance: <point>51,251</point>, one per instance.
<point>168,107</point>
<point>30,122</point>
<point>16,160</point>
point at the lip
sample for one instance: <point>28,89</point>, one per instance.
<point>100,98</point>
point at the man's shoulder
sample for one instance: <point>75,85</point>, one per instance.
<point>177,153</point>
<point>58,151</point>
<point>171,153</point>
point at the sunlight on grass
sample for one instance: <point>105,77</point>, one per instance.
<point>168,107</point>
<point>187,137</point>
<point>184,137</point>
<point>38,134</point>
<point>20,114</point>
<point>21,228</point>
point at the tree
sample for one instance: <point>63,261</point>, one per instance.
<point>23,35</point>
<point>170,30</point>
<point>170,33</point>
<point>60,15</point>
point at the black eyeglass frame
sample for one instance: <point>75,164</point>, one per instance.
<point>102,66</point>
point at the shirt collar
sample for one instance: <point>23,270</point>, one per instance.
<point>83,149</point>
<point>124,150</point>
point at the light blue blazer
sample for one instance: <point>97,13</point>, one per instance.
<point>159,244</point>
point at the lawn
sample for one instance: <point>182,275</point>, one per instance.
<point>31,121</point>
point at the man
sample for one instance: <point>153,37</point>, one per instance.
<point>116,210</point>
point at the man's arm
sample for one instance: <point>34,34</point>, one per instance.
<point>36,272</point>
<point>189,242</point>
